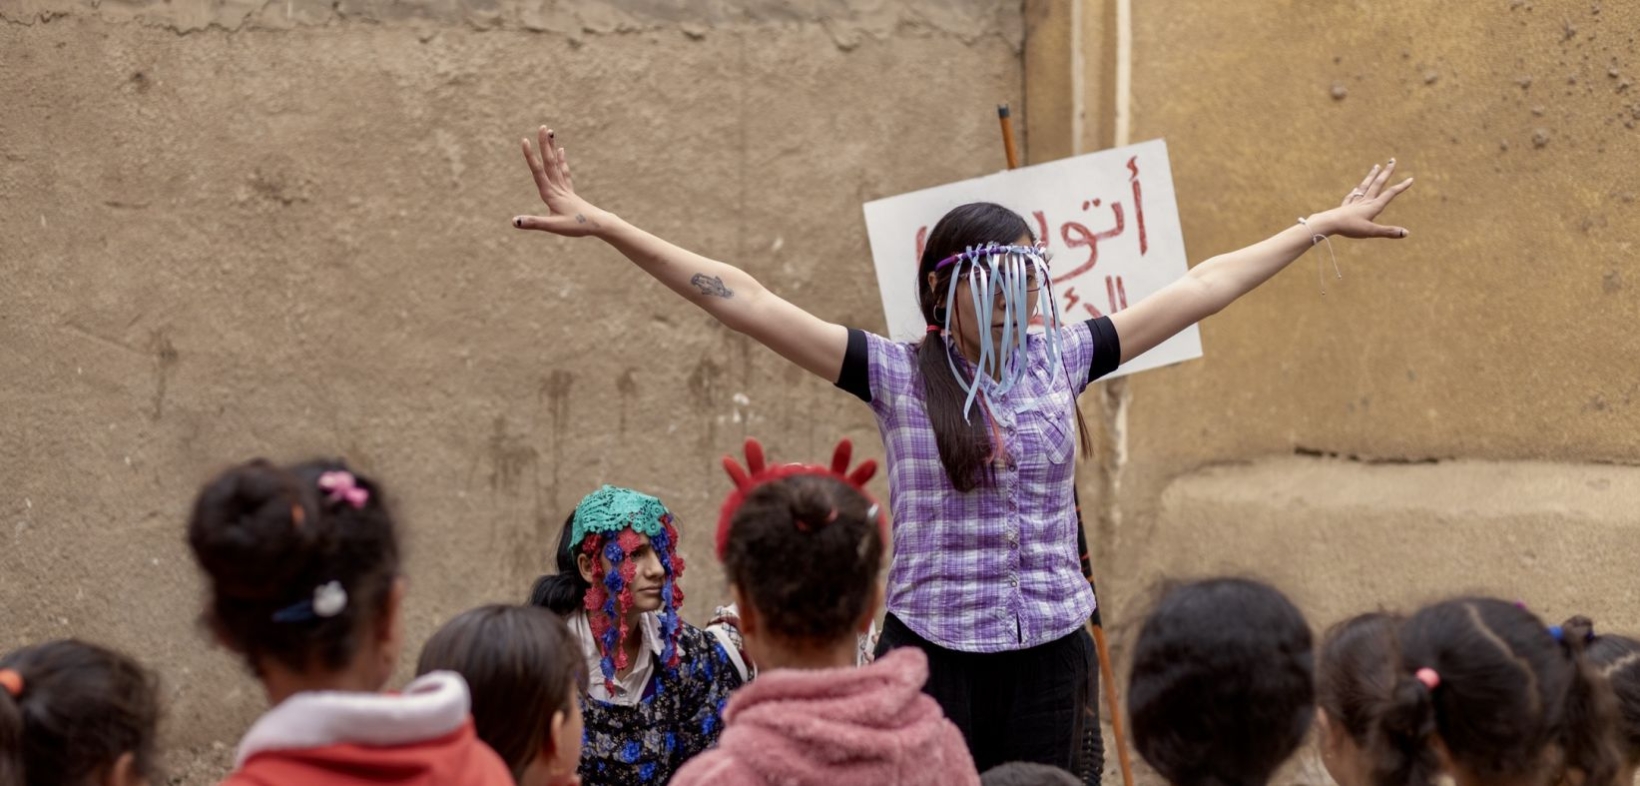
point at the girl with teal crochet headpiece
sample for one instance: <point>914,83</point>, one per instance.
<point>656,684</point>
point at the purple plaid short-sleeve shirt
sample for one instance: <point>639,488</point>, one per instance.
<point>995,568</point>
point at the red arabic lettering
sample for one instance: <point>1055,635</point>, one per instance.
<point>1116,292</point>
<point>1089,240</point>
<point>1138,204</point>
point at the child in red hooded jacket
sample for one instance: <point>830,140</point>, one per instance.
<point>802,547</point>
<point>303,570</point>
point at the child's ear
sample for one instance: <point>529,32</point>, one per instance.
<point>749,619</point>
<point>583,563</point>
<point>1327,729</point>
<point>123,772</point>
<point>1442,753</point>
<point>555,734</point>
<point>877,596</point>
<point>389,629</point>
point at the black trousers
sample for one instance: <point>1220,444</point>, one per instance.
<point>1038,705</point>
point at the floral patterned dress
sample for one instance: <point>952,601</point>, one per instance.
<point>677,717</point>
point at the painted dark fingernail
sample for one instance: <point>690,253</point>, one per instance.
<point>518,222</point>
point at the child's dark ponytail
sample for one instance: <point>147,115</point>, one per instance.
<point>1400,746</point>
<point>563,592</point>
<point>1589,736</point>
<point>1501,690</point>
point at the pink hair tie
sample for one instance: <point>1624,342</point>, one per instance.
<point>344,487</point>
<point>1428,677</point>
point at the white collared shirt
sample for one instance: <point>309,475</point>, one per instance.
<point>629,687</point>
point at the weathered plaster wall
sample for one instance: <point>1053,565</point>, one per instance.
<point>1461,412</point>
<point>280,228</point>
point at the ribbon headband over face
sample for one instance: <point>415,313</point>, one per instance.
<point>758,472</point>
<point>1001,277</point>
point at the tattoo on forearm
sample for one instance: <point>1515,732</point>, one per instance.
<point>580,219</point>
<point>711,286</point>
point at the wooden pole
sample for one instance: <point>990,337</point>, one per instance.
<point>1008,136</point>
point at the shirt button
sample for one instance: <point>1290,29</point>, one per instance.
<point>1013,582</point>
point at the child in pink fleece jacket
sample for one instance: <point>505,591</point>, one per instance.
<point>802,547</point>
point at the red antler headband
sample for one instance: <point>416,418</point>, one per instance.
<point>758,472</point>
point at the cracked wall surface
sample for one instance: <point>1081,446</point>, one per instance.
<point>281,228</point>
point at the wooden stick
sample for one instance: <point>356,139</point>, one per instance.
<point>1007,136</point>
<point>1117,728</point>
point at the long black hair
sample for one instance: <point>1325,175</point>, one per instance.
<point>964,443</point>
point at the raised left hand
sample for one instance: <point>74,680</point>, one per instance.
<point>1356,217</point>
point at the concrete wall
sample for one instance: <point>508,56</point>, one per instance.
<point>280,228</point>
<point>1500,331</point>
<point>1461,412</point>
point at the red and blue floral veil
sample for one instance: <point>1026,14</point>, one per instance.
<point>608,523</point>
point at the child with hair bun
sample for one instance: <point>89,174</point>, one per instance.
<point>803,548</point>
<point>302,570</point>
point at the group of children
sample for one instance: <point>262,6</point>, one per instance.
<point>597,680</point>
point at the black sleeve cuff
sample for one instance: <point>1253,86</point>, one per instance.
<point>855,376</point>
<point>1107,348</point>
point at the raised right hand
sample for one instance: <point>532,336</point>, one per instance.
<point>567,214</point>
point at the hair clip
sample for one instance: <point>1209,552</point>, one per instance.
<point>12,682</point>
<point>329,599</point>
<point>344,487</point>
<point>1428,677</point>
<point>1558,632</point>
